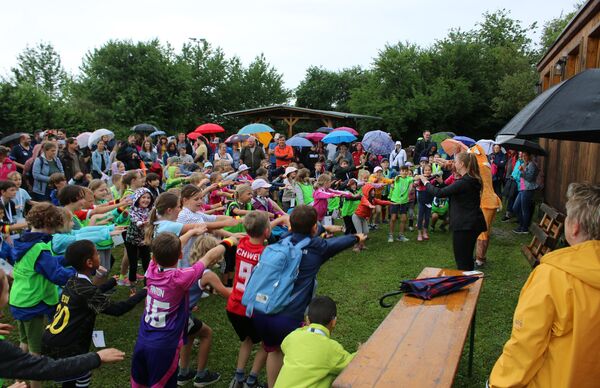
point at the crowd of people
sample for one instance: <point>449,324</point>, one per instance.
<point>198,217</point>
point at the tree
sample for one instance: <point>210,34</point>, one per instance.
<point>328,90</point>
<point>553,27</point>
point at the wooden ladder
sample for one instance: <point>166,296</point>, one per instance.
<point>546,235</point>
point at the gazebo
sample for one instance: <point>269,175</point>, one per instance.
<point>292,114</point>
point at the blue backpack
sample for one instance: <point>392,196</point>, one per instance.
<point>269,288</point>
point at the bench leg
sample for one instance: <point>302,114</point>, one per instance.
<point>472,343</point>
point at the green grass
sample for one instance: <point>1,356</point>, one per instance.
<point>355,282</point>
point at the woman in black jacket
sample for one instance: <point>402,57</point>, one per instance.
<point>466,218</point>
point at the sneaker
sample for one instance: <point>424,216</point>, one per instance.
<point>208,379</point>
<point>479,263</point>
<point>520,231</point>
<point>390,238</point>
<point>184,379</point>
<point>255,385</point>
<point>123,282</point>
<point>411,228</point>
<point>505,218</point>
<point>401,238</point>
<point>204,295</point>
<point>236,384</point>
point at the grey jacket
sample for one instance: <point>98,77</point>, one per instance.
<point>40,172</point>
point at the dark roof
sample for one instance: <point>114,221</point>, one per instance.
<point>288,110</point>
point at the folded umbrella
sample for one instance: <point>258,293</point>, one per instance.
<point>378,143</point>
<point>451,146</point>
<point>347,129</point>
<point>337,137</point>
<point>296,141</point>
<point>315,137</point>
<point>97,135</point>
<point>428,288</point>
<point>525,146</point>
<point>251,129</point>
<point>209,128</point>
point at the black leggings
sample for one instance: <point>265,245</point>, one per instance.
<point>463,244</point>
<point>133,253</point>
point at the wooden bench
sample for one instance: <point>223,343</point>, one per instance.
<point>546,234</point>
<point>419,344</point>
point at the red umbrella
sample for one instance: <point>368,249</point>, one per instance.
<point>206,129</point>
<point>315,137</point>
<point>347,129</point>
<point>194,135</point>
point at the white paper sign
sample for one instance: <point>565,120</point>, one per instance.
<point>118,239</point>
<point>98,338</point>
<point>327,220</point>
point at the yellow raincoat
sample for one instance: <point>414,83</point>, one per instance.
<point>555,339</point>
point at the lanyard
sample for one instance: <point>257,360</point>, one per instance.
<point>7,211</point>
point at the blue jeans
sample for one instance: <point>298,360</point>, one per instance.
<point>523,208</point>
<point>424,200</point>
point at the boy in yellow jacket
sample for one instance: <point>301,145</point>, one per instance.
<point>556,327</point>
<point>311,358</point>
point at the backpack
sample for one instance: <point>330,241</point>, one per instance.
<point>269,288</point>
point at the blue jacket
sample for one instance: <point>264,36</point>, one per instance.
<point>97,161</point>
<point>41,176</point>
<point>317,252</point>
<point>51,267</point>
<point>96,234</point>
<point>530,176</point>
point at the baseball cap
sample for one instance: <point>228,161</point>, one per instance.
<point>398,142</point>
<point>260,184</point>
<point>208,164</point>
<point>378,169</point>
<point>243,167</point>
<point>289,170</point>
<point>424,159</point>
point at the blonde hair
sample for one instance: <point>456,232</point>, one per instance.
<point>196,178</point>
<point>323,180</point>
<point>201,246</point>
<point>583,205</point>
<point>241,189</point>
<point>95,184</point>
<point>363,174</point>
<point>303,175</point>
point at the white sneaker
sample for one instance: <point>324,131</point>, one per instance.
<point>390,238</point>
<point>401,238</point>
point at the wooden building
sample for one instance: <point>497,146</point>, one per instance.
<point>576,49</point>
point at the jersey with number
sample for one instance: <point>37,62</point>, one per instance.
<point>246,257</point>
<point>166,314</point>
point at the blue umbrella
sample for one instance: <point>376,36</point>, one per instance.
<point>255,128</point>
<point>296,141</point>
<point>338,137</point>
<point>158,133</point>
<point>465,140</point>
<point>378,143</point>
<point>324,130</point>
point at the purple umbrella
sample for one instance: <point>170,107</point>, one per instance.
<point>378,143</point>
<point>465,140</point>
<point>428,288</point>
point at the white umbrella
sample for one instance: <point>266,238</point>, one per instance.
<point>97,135</point>
<point>487,145</point>
<point>83,138</point>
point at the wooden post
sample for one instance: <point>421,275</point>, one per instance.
<point>291,121</point>
<point>327,122</point>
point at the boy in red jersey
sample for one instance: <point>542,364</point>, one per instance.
<point>247,255</point>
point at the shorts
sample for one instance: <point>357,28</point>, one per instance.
<point>243,327</point>
<point>399,208</point>
<point>30,333</point>
<point>489,215</point>
<point>273,329</point>
<point>152,367</point>
<point>194,326</point>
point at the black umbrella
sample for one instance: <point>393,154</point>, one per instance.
<point>10,138</point>
<point>144,128</point>
<point>569,110</point>
<point>525,146</point>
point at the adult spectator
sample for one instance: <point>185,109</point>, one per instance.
<point>272,146</point>
<point>398,157</point>
<point>284,154</point>
<point>527,184</point>
<point>223,155</point>
<point>69,158</point>
<point>182,141</point>
<point>170,152</point>
<point>358,153</point>
<point>252,155</point>
<point>183,155</point>
<point>7,165</point>
<point>509,191</point>
<point>498,163</point>
<point>161,147</point>
<point>45,165</point>
<point>466,217</point>
<point>148,154</point>
<point>128,154</point>
<point>21,152</point>
<point>100,160</point>
<point>422,145</point>
<point>343,153</point>
<point>331,151</point>
<point>555,337</point>
<point>201,151</point>
<point>310,156</point>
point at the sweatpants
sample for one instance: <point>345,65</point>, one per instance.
<point>360,224</point>
<point>463,244</point>
<point>135,253</point>
<point>350,229</point>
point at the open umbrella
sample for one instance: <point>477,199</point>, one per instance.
<point>337,137</point>
<point>97,135</point>
<point>82,139</point>
<point>569,110</point>
<point>324,130</point>
<point>301,134</point>
<point>347,129</point>
<point>193,135</point>
<point>451,146</point>
<point>428,288</point>
<point>525,146</point>
<point>251,129</point>
<point>10,138</point>
<point>315,137</point>
<point>209,128</point>
<point>465,140</point>
<point>487,145</point>
<point>378,143</point>
<point>144,128</point>
<point>236,139</point>
<point>157,133</point>
<point>296,141</point>
<point>439,137</point>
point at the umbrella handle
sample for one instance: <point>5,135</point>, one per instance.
<point>393,293</point>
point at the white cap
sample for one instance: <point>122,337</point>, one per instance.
<point>276,136</point>
<point>243,167</point>
<point>289,170</point>
<point>208,164</point>
<point>260,184</point>
<point>377,169</point>
<point>398,142</point>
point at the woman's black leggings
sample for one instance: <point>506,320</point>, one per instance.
<point>463,244</point>
<point>134,253</point>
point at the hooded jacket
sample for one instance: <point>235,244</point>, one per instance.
<point>364,209</point>
<point>138,217</point>
<point>556,327</point>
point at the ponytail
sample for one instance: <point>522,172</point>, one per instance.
<point>164,202</point>
<point>149,234</point>
<point>471,165</point>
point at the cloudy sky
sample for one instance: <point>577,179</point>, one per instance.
<point>293,35</point>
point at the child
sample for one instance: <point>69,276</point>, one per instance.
<point>222,193</point>
<point>132,181</point>
<point>288,198</point>
<point>118,168</point>
<point>244,174</point>
<point>360,218</point>
<point>382,182</point>
<point>403,185</point>
<point>56,182</point>
<point>22,199</point>
<point>304,188</point>
<point>8,192</point>
<point>322,193</point>
<point>424,200</point>
<point>161,333</point>
<point>70,333</point>
<point>117,187</point>
<point>36,274</point>
<point>349,206</point>
<point>273,328</point>
<point>153,184</point>
<point>439,211</point>
<point>139,212</point>
<point>261,200</point>
<point>246,257</point>
<point>311,357</point>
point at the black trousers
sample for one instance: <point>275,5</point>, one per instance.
<point>463,244</point>
<point>135,253</point>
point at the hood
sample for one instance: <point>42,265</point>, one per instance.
<point>581,261</point>
<point>367,189</point>
<point>138,214</point>
<point>138,194</point>
<point>26,241</point>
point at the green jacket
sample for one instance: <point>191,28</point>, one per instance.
<point>307,194</point>
<point>30,287</point>
<point>239,228</point>
<point>400,190</point>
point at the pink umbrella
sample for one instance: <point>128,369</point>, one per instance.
<point>315,137</point>
<point>347,129</point>
<point>209,128</point>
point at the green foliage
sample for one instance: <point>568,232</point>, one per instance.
<point>328,90</point>
<point>553,27</point>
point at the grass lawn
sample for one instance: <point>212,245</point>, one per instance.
<point>355,282</point>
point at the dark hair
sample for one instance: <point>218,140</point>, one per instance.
<point>322,310</point>
<point>255,223</point>
<point>78,253</point>
<point>188,191</point>
<point>261,171</point>
<point>164,201</point>
<point>46,215</point>
<point>4,150</point>
<point>166,249</point>
<point>152,176</point>
<point>70,194</point>
<point>5,185</point>
<point>303,218</point>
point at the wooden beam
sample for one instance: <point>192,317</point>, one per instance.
<point>328,122</point>
<point>291,121</point>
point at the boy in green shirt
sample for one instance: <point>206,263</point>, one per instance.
<point>311,358</point>
<point>402,186</point>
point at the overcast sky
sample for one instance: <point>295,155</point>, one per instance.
<point>293,35</point>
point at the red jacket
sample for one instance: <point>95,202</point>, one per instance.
<point>364,208</point>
